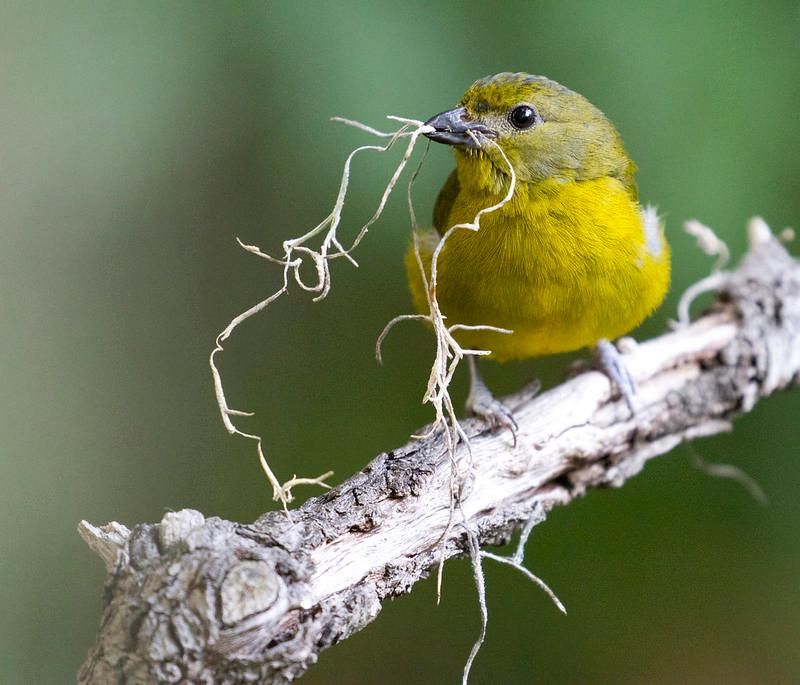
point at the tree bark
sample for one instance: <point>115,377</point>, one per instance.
<point>202,600</point>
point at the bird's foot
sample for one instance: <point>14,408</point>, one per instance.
<point>608,360</point>
<point>494,413</point>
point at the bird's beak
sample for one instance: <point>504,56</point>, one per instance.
<point>454,127</point>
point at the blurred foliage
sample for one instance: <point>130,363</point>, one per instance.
<point>139,138</point>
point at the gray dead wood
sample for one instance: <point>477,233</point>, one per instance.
<point>211,601</point>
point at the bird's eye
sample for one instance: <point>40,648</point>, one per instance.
<point>522,116</point>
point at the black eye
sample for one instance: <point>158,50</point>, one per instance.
<point>522,116</point>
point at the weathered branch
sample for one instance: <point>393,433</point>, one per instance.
<point>212,601</point>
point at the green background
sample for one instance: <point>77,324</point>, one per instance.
<point>138,139</point>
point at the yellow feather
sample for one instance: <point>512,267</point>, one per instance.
<point>563,264</point>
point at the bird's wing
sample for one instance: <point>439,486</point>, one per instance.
<point>444,202</point>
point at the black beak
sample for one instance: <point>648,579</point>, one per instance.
<point>454,127</point>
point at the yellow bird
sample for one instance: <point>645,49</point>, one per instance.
<point>570,261</point>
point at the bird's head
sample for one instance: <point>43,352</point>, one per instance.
<point>545,130</point>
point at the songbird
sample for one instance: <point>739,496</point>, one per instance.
<point>571,260</point>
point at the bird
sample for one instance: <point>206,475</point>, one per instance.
<point>570,261</point>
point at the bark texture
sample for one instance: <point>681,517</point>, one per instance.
<point>202,600</point>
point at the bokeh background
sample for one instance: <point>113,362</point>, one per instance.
<point>138,139</point>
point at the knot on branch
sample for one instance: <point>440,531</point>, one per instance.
<point>250,588</point>
<point>194,590</point>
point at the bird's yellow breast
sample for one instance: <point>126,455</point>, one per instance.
<point>562,264</point>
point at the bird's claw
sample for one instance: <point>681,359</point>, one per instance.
<point>609,361</point>
<point>494,413</point>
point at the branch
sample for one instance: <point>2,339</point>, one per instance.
<point>208,600</point>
